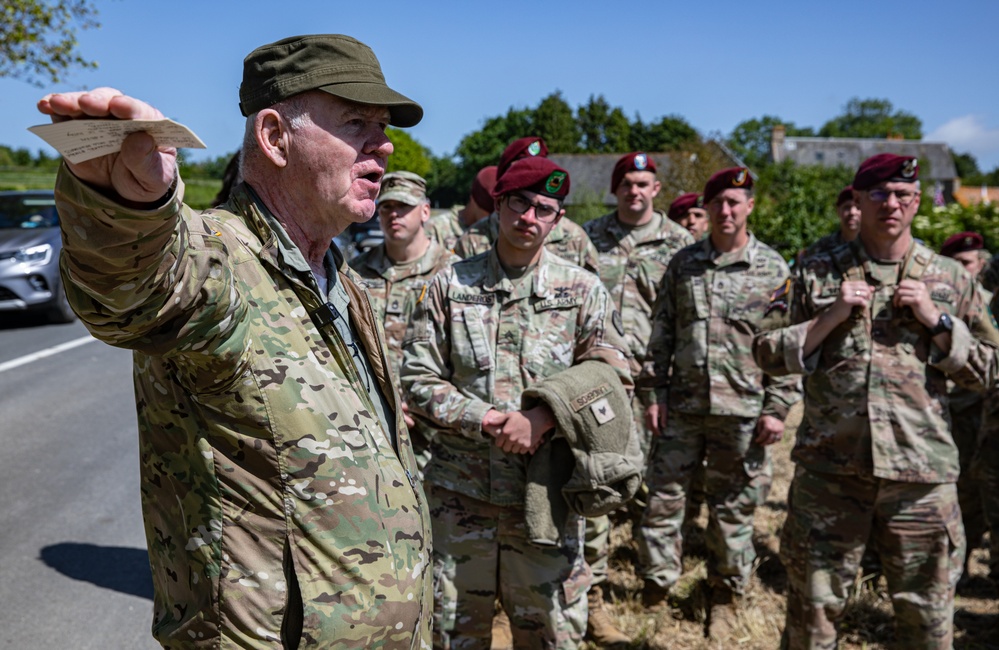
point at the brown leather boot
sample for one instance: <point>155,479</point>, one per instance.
<point>600,627</point>
<point>653,595</point>
<point>502,636</point>
<point>724,618</point>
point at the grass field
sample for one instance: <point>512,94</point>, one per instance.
<point>198,192</point>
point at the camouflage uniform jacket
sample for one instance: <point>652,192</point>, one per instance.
<point>261,457</point>
<point>478,340</point>
<point>823,244</point>
<point>876,388</point>
<point>445,228</point>
<point>631,267</point>
<point>567,239</point>
<point>393,289</point>
<point>710,307</point>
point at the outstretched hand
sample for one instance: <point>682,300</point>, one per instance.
<point>141,172</point>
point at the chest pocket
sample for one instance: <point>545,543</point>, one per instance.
<point>692,299</point>
<point>749,299</point>
<point>550,342</point>
<point>648,276</point>
<point>475,328</point>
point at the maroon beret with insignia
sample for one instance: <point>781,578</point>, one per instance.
<point>845,194</point>
<point>635,161</point>
<point>886,167</point>
<point>482,188</point>
<point>682,204</point>
<point>961,242</point>
<point>737,177</point>
<point>527,147</point>
<point>534,175</point>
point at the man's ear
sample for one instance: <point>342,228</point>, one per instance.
<point>272,134</point>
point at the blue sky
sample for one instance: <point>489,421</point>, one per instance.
<point>713,63</point>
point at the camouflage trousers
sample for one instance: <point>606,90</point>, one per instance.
<point>596,547</point>
<point>917,530</point>
<point>481,554</point>
<point>966,425</point>
<point>737,478</point>
<point>985,471</point>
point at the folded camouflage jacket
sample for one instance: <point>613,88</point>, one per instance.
<point>263,463</point>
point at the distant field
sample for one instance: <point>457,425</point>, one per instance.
<point>198,194</point>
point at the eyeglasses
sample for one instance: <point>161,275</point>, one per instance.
<point>903,197</point>
<point>542,211</point>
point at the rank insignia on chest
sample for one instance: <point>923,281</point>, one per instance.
<point>780,297</point>
<point>393,307</point>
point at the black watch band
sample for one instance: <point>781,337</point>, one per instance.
<point>944,325</point>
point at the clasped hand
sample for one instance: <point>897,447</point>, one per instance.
<point>519,432</point>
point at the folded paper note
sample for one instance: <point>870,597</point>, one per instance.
<point>81,140</point>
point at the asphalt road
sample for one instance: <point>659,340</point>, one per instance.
<point>74,571</point>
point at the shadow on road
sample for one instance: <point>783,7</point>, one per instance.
<point>122,569</point>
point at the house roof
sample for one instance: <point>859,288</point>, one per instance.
<point>590,173</point>
<point>935,160</point>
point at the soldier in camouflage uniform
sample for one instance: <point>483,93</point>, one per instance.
<point>877,326</point>
<point>967,409</point>
<point>567,239</point>
<point>688,211</point>
<point>634,243</point>
<point>277,476</point>
<point>396,272</point>
<point>849,224</point>
<point>722,410</point>
<point>446,228</point>
<point>489,327</point>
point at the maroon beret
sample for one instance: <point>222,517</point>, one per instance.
<point>635,161</point>
<point>845,194</point>
<point>738,177</point>
<point>683,204</point>
<point>962,241</point>
<point>482,188</point>
<point>886,167</point>
<point>521,148</point>
<point>534,175</point>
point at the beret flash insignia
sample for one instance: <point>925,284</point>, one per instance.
<point>641,161</point>
<point>554,182</point>
<point>909,168</point>
<point>534,148</point>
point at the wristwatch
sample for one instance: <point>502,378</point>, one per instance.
<point>945,324</point>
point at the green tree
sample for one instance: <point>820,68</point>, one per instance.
<point>750,139</point>
<point>967,168</point>
<point>670,133</point>
<point>795,205</point>
<point>409,155</point>
<point>872,118</point>
<point>604,129</point>
<point>38,38</point>
<point>554,121</point>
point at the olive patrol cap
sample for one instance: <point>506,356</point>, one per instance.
<point>339,65</point>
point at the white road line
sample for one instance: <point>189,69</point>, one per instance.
<point>48,352</point>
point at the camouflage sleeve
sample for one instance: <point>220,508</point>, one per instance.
<point>659,353</point>
<point>971,361</point>
<point>589,258</point>
<point>778,346</point>
<point>427,367</point>
<point>600,335</point>
<point>157,281</point>
<point>463,248</point>
<point>781,392</point>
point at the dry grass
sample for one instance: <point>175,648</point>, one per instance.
<point>868,622</point>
